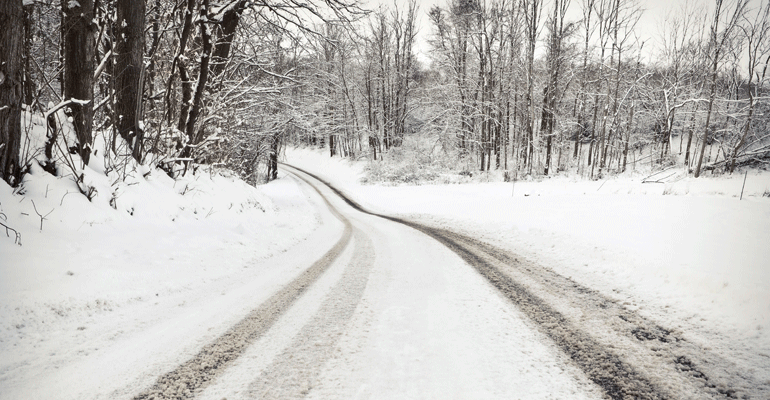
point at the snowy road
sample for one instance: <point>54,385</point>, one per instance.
<point>369,306</point>
<point>395,315</point>
<point>403,310</point>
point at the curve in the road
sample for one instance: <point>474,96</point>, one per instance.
<point>619,378</point>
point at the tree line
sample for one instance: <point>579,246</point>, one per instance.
<point>527,85</point>
<point>516,85</point>
<point>172,83</point>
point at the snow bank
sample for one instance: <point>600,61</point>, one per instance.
<point>88,273</point>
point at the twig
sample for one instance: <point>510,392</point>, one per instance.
<point>42,217</point>
<point>658,180</point>
<point>600,186</point>
<point>62,198</point>
<point>4,217</point>
<point>17,240</point>
<point>744,184</point>
<point>661,179</point>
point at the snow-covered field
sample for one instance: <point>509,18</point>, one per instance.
<point>686,253</point>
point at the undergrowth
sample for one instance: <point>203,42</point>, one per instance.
<point>419,161</point>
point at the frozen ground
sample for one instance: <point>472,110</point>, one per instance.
<point>102,298</point>
<point>686,253</point>
<point>102,302</point>
<point>111,294</point>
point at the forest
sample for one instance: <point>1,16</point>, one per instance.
<point>523,87</point>
<point>335,199</point>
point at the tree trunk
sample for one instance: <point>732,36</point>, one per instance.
<point>129,68</point>
<point>628,134</point>
<point>79,35</point>
<point>712,95</point>
<point>187,95</point>
<point>689,137</point>
<point>151,71</point>
<point>226,34</point>
<point>183,76</point>
<point>29,83</point>
<point>197,105</point>
<point>11,76</point>
<point>272,166</point>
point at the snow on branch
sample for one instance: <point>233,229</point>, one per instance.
<point>102,65</point>
<point>218,12</point>
<point>63,104</point>
<point>277,75</point>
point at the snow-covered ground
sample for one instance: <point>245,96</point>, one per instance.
<point>103,295</point>
<point>112,293</point>
<point>686,253</point>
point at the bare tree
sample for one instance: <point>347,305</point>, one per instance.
<point>531,12</point>
<point>757,36</point>
<point>587,7</point>
<point>453,30</point>
<point>79,44</point>
<point>11,77</point>
<point>721,34</point>
<point>129,68</point>
<point>677,34</point>
<point>557,32</point>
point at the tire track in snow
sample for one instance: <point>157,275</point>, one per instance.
<point>709,376</point>
<point>618,379</point>
<point>291,374</point>
<point>186,380</point>
<point>677,367</point>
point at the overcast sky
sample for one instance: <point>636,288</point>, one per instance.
<point>649,26</point>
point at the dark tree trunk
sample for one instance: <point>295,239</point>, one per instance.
<point>79,36</point>
<point>129,48</point>
<point>197,105</point>
<point>226,34</point>
<point>547,118</point>
<point>183,76</point>
<point>151,71</point>
<point>11,76</point>
<point>29,83</point>
<point>51,136</point>
<point>272,166</point>
<point>187,95</point>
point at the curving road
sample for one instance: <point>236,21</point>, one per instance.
<point>399,309</point>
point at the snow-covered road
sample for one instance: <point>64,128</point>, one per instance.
<point>411,311</point>
<point>620,350</point>
<point>369,306</point>
<point>395,315</point>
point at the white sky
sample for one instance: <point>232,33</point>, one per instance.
<point>649,25</point>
